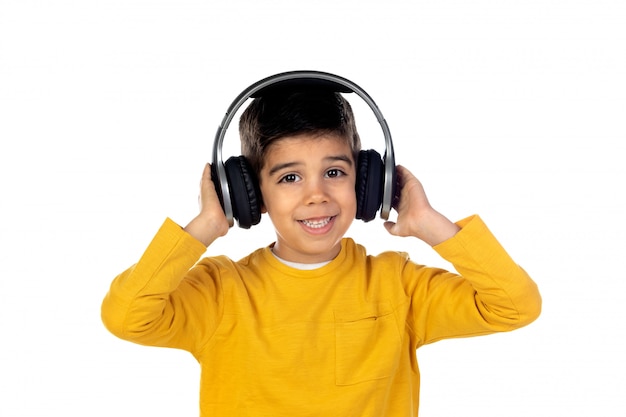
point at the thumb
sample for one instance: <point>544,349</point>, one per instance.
<point>391,227</point>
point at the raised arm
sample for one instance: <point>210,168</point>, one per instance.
<point>489,292</point>
<point>157,300</point>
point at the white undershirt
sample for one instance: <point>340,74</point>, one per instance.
<point>298,265</point>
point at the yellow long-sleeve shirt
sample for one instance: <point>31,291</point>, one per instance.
<point>335,341</point>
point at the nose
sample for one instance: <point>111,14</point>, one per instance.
<point>316,192</point>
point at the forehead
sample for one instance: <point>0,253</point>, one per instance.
<point>306,142</point>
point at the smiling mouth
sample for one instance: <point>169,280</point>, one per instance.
<point>317,223</point>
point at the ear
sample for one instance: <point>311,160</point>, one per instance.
<point>263,209</point>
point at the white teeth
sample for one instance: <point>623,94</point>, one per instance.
<point>316,224</point>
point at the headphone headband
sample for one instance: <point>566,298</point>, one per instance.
<point>338,84</point>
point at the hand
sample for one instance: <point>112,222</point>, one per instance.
<point>416,217</point>
<point>211,222</point>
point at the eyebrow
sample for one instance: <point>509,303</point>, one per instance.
<point>331,158</point>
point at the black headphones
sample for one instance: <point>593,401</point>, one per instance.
<point>236,183</point>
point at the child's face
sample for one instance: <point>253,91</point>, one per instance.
<point>307,183</point>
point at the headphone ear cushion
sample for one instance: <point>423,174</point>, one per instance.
<point>244,191</point>
<point>369,184</point>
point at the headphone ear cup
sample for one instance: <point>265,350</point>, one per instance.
<point>369,184</point>
<point>244,191</point>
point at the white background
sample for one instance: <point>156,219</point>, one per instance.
<point>511,109</point>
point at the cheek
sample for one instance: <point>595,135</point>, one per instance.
<point>266,197</point>
<point>348,198</point>
<point>273,198</point>
<point>264,200</point>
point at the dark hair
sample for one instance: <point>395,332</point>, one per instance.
<point>289,113</point>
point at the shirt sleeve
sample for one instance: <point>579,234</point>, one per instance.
<point>490,293</point>
<point>159,301</point>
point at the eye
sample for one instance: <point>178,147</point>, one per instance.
<point>289,178</point>
<point>334,173</point>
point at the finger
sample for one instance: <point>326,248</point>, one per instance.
<point>397,191</point>
<point>205,184</point>
<point>390,226</point>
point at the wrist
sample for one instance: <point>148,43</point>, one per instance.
<point>436,228</point>
<point>205,229</point>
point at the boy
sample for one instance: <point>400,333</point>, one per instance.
<point>311,325</point>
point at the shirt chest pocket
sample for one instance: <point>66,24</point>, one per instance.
<point>368,344</point>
